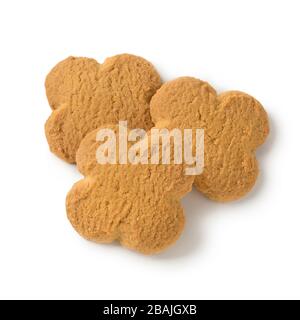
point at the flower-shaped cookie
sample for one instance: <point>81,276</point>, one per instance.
<point>135,204</point>
<point>234,123</point>
<point>85,95</point>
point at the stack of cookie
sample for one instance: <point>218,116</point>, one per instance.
<point>137,202</point>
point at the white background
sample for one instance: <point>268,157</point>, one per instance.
<point>243,250</point>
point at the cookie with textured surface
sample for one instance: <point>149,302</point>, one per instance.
<point>135,204</point>
<point>84,95</point>
<point>235,125</point>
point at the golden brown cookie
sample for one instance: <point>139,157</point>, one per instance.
<point>234,123</point>
<point>84,95</point>
<point>135,204</point>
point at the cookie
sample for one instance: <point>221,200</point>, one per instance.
<point>135,204</point>
<point>84,95</point>
<point>235,125</point>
